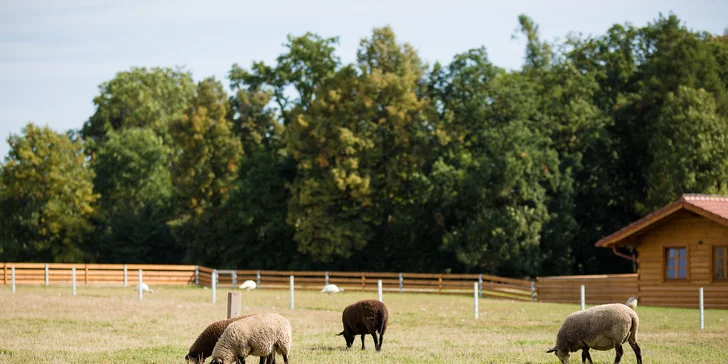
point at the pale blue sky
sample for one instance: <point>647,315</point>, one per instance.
<point>54,54</point>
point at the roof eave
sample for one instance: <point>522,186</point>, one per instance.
<point>620,235</point>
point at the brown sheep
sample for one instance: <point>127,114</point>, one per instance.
<point>362,318</point>
<point>202,347</point>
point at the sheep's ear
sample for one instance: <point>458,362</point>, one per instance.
<point>551,350</point>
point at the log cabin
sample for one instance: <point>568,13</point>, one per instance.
<point>680,248</point>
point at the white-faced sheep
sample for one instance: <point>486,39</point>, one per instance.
<point>145,288</point>
<point>602,327</point>
<point>205,342</point>
<point>248,285</point>
<point>366,317</point>
<point>259,335</point>
<point>331,288</point>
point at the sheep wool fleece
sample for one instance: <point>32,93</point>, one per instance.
<point>202,347</point>
<point>259,335</point>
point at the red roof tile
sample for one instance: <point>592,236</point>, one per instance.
<point>713,207</point>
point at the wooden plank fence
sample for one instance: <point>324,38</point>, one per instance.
<point>599,288</point>
<point>98,274</point>
<point>113,274</point>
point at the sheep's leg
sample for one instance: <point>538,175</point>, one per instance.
<point>381,340</point>
<point>585,356</point>
<point>376,342</point>
<point>285,358</point>
<point>637,351</point>
<point>362,341</point>
<point>620,352</point>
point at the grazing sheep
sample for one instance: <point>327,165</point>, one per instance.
<point>632,303</point>
<point>602,327</point>
<point>362,318</point>
<point>202,347</point>
<point>248,285</point>
<point>145,288</point>
<point>259,335</point>
<point>331,288</point>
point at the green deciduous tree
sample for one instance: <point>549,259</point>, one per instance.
<point>134,182</point>
<point>205,168</point>
<point>48,199</point>
<point>689,148</point>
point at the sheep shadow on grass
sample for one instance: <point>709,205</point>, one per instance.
<point>327,348</point>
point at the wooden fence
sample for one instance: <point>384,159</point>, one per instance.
<point>599,288</point>
<point>113,274</point>
<point>99,274</point>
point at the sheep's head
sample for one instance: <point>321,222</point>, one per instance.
<point>220,360</point>
<point>563,355</point>
<point>194,357</point>
<point>348,337</point>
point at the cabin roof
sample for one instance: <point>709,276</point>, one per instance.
<point>713,207</point>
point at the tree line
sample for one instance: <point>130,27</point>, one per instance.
<point>386,163</point>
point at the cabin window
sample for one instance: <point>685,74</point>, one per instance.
<point>721,262</point>
<point>677,263</point>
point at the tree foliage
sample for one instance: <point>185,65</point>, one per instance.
<point>383,163</point>
<point>47,197</point>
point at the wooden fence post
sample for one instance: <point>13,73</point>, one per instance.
<point>363,282</point>
<point>5,273</point>
<point>379,290</point>
<point>234,305</point>
<point>326,279</point>
<point>85,274</point>
<point>197,275</point>
<point>401,283</point>
<point>291,291</point>
<point>257,279</point>
<point>126,283</point>
<point>533,291</point>
<point>235,279</point>
<point>46,274</point>
<point>12,272</point>
<point>439,280</point>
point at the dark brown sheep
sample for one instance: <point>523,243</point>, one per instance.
<point>366,317</point>
<point>201,349</point>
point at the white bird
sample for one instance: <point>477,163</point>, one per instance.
<point>145,288</point>
<point>632,302</point>
<point>248,285</point>
<point>331,288</point>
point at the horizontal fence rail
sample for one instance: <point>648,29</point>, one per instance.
<point>125,274</point>
<point>599,288</point>
<point>98,274</point>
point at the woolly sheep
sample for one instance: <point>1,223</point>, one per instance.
<point>205,342</point>
<point>145,288</point>
<point>248,285</point>
<point>632,303</point>
<point>331,288</point>
<point>602,327</point>
<point>259,335</point>
<point>362,318</point>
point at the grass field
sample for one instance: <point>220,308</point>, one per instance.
<point>110,325</point>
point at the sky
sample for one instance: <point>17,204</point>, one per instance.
<point>55,54</point>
